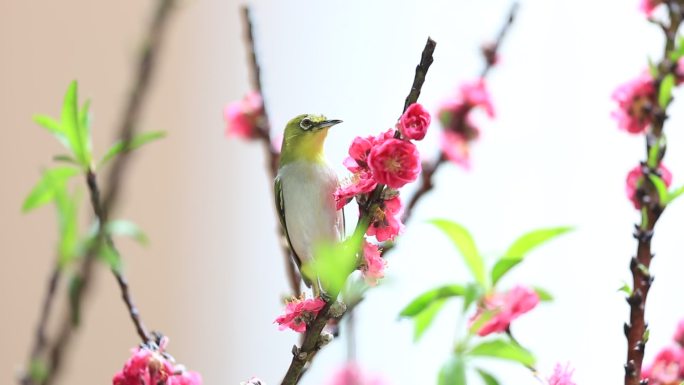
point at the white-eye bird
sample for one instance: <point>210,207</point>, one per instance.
<point>304,191</point>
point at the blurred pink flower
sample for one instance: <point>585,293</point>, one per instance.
<point>455,148</point>
<point>561,375</point>
<point>242,117</point>
<point>679,334</point>
<point>385,223</point>
<point>151,366</point>
<point>394,162</point>
<point>414,123</point>
<point>298,313</point>
<point>636,176</point>
<point>500,309</point>
<point>635,99</point>
<point>475,94</point>
<point>667,367</point>
<point>373,267</point>
<point>648,6</point>
<point>351,374</point>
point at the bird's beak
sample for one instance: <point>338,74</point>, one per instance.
<point>327,123</point>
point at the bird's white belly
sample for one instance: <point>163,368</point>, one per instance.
<point>310,214</point>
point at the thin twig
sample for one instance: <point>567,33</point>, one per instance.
<point>311,343</point>
<point>264,135</point>
<point>637,328</point>
<point>102,207</point>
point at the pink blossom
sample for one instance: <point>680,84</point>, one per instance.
<point>475,94</point>
<point>414,123</point>
<point>667,367</point>
<point>385,223</point>
<point>298,313</point>
<point>351,374</point>
<point>394,162</point>
<point>373,268</point>
<point>361,182</point>
<point>635,99</point>
<point>151,366</point>
<point>561,375</point>
<point>679,334</point>
<point>242,117</point>
<point>358,153</point>
<point>648,6</point>
<point>503,308</point>
<point>636,176</point>
<point>455,148</point>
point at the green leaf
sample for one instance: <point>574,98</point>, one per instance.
<point>66,159</point>
<point>38,371</point>
<point>481,319</point>
<point>523,245</point>
<point>136,142</point>
<point>110,257</point>
<point>473,293</point>
<point>678,52</point>
<point>53,127</point>
<point>44,191</point>
<point>71,126</point>
<point>126,228</point>
<point>334,262</point>
<point>675,194</point>
<point>661,188</point>
<point>453,372</point>
<point>487,377</point>
<point>625,288</point>
<point>503,350</point>
<point>665,92</point>
<point>655,150</point>
<point>424,319</point>
<point>67,213</point>
<point>75,287</point>
<point>652,68</point>
<point>84,123</point>
<point>544,295</point>
<point>466,245</point>
<point>426,299</point>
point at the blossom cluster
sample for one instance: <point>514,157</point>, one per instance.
<point>151,365</point>
<point>456,118</point>
<point>496,311</point>
<point>299,312</point>
<point>667,367</point>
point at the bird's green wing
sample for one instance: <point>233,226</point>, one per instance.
<point>280,208</point>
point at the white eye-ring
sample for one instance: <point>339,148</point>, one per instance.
<point>306,124</point>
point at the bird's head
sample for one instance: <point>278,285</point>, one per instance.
<point>303,138</point>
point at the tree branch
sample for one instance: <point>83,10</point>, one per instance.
<point>312,342</point>
<point>142,80</point>
<point>636,329</point>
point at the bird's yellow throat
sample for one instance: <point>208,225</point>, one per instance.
<point>305,146</point>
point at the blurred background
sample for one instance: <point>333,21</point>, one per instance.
<point>212,276</point>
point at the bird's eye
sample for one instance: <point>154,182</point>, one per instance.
<point>306,124</point>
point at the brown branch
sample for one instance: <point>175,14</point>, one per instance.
<point>264,135</point>
<point>102,207</point>
<point>636,329</point>
<point>312,341</point>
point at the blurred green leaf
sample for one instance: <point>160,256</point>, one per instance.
<point>38,371</point>
<point>334,262</point>
<point>661,188</point>
<point>675,194</point>
<point>44,191</point>
<point>53,126</point>
<point>84,123</point>
<point>75,285</point>
<point>482,318</point>
<point>66,159</point>
<point>453,372</point>
<point>678,52</point>
<point>652,68</point>
<point>424,300</point>
<point>110,256</point>
<point>503,350</point>
<point>137,141</point>
<point>71,126</point>
<point>625,288</point>
<point>128,229</point>
<point>523,245</point>
<point>487,377</point>
<point>466,245</point>
<point>543,294</point>
<point>655,149</point>
<point>67,213</point>
<point>424,319</point>
<point>665,92</point>
<point>473,293</point>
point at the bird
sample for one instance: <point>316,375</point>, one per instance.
<point>304,192</point>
